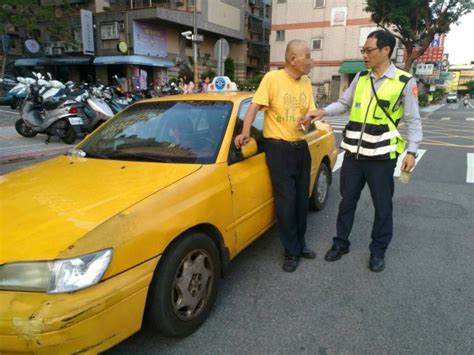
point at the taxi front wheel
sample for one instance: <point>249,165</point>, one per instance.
<point>318,198</point>
<point>184,286</point>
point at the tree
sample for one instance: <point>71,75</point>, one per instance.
<point>229,68</point>
<point>415,22</point>
<point>30,15</point>
<point>470,87</point>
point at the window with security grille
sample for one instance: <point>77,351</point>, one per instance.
<point>109,31</point>
<point>317,44</point>
<point>319,3</point>
<point>280,36</point>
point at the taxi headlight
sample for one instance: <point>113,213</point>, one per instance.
<point>65,275</point>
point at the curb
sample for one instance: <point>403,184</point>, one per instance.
<point>32,155</point>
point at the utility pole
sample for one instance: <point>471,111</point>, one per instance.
<point>195,50</point>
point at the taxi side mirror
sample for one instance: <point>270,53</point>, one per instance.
<point>250,149</point>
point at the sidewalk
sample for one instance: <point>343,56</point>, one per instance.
<point>15,147</point>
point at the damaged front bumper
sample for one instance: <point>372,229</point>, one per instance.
<point>89,320</point>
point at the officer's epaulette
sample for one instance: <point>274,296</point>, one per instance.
<point>404,79</point>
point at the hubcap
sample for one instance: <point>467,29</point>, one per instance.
<point>322,186</point>
<point>192,284</point>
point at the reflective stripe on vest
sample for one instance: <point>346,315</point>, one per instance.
<point>370,133</point>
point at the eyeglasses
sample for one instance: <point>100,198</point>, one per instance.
<point>367,50</point>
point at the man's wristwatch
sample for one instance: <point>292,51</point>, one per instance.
<point>414,154</point>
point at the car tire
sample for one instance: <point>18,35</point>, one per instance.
<point>23,129</point>
<point>319,196</point>
<point>184,286</point>
<point>69,135</point>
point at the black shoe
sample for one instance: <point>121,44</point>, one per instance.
<point>291,263</point>
<point>335,253</point>
<point>308,253</point>
<point>376,264</point>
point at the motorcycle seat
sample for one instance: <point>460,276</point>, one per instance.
<point>51,105</point>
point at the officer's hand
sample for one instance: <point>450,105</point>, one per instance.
<point>241,139</point>
<point>408,163</point>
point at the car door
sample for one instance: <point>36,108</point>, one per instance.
<point>251,188</point>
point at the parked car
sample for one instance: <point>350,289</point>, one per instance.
<point>139,221</point>
<point>452,97</point>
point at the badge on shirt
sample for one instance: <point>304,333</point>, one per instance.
<point>414,90</point>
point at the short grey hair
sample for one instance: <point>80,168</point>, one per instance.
<point>290,47</point>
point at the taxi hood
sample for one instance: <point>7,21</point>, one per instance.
<point>48,206</point>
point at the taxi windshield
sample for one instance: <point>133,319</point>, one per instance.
<point>169,131</point>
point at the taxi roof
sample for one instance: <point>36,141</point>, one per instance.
<point>213,96</point>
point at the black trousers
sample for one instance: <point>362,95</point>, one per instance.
<point>289,165</point>
<point>379,176</point>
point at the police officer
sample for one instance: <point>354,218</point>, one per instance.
<point>378,98</point>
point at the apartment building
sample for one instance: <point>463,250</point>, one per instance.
<point>335,31</point>
<point>144,39</point>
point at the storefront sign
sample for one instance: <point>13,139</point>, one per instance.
<point>149,39</point>
<point>87,29</point>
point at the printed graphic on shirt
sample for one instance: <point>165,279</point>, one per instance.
<point>293,107</point>
<point>414,90</point>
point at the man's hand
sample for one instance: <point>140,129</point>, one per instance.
<point>408,163</point>
<point>310,117</point>
<point>241,139</point>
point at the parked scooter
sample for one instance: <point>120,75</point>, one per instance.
<point>53,117</point>
<point>95,108</point>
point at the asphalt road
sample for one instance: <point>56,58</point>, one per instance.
<point>421,304</point>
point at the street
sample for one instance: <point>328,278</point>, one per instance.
<point>421,303</point>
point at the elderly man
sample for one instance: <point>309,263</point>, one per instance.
<point>286,97</point>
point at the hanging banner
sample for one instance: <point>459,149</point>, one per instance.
<point>149,39</point>
<point>87,30</point>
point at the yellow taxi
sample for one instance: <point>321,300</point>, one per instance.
<point>140,220</point>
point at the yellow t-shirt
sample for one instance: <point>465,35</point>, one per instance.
<point>284,100</point>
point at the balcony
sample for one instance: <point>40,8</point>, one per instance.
<point>181,5</point>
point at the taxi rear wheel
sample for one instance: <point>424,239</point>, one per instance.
<point>184,286</point>
<point>319,197</point>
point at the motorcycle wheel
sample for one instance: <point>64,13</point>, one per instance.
<point>70,135</point>
<point>23,129</point>
<point>14,102</point>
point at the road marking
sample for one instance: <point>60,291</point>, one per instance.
<point>336,131</point>
<point>10,112</point>
<point>445,118</point>
<point>420,152</point>
<point>470,168</point>
<point>340,158</point>
<point>469,118</point>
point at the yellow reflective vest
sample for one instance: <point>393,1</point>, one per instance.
<point>370,134</point>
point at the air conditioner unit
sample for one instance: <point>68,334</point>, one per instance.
<point>177,60</point>
<point>121,26</point>
<point>48,50</point>
<point>57,50</point>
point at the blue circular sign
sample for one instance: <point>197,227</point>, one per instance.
<point>220,83</point>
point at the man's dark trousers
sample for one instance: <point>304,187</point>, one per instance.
<point>379,176</point>
<point>289,165</point>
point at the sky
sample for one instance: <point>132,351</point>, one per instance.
<point>459,43</point>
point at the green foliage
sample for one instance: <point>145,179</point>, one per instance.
<point>415,22</point>
<point>470,87</point>
<point>229,68</point>
<point>438,94</point>
<point>423,100</point>
<point>250,84</point>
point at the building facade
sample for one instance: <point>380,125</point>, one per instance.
<point>143,39</point>
<point>335,31</point>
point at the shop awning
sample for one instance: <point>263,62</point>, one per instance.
<point>133,60</point>
<point>29,62</point>
<point>352,66</point>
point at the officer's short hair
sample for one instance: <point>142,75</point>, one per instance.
<point>384,39</point>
